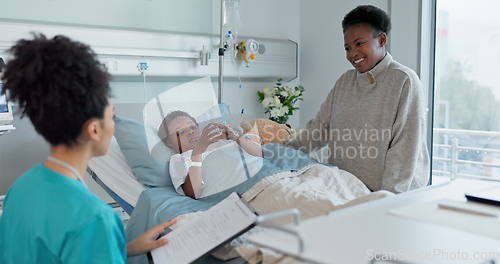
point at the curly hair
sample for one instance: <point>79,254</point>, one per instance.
<point>58,83</point>
<point>163,130</point>
<point>368,14</point>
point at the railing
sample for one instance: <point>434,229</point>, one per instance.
<point>451,143</point>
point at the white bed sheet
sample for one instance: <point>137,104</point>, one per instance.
<point>113,170</point>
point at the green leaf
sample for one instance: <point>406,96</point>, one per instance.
<point>261,96</point>
<point>290,99</point>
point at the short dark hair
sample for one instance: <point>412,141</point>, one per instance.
<point>368,14</point>
<point>163,130</point>
<point>58,83</point>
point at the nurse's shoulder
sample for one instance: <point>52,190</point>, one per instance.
<point>56,192</point>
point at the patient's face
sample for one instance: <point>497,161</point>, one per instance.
<point>182,129</point>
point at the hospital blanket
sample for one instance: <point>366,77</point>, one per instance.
<point>157,205</point>
<point>315,190</point>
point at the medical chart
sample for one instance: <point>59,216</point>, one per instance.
<point>212,228</point>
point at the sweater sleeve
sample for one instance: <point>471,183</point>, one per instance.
<point>407,154</point>
<point>316,131</point>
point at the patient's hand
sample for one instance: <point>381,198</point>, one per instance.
<point>230,133</point>
<point>268,131</point>
<point>213,132</point>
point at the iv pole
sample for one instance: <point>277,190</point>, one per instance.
<point>222,49</point>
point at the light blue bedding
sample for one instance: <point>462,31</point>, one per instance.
<point>157,205</point>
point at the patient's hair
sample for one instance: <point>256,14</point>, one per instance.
<point>163,130</point>
<point>368,14</point>
<point>58,83</point>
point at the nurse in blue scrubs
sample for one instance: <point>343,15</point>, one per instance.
<point>49,214</point>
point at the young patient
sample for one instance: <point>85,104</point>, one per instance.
<point>211,159</point>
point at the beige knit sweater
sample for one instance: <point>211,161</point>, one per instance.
<point>374,123</point>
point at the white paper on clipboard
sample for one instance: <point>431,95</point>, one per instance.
<point>215,226</point>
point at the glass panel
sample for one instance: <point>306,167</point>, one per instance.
<point>467,89</point>
<point>191,16</point>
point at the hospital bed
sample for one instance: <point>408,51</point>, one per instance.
<point>113,173</point>
<point>116,177</point>
<point>161,203</point>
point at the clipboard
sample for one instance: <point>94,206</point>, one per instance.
<point>216,226</point>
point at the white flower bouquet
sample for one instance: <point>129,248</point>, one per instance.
<point>279,100</point>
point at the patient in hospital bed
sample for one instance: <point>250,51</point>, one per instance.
<point>209,159</point>
<point>212,158</point>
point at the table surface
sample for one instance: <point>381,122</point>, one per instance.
<point>367,233</point>
<point>6,128</point>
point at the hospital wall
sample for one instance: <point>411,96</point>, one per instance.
<point>23,148</point>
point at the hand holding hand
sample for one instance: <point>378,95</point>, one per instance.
<point>231,134</point>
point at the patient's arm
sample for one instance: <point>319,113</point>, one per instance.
<point>250,141</point>
<point>193,183</point>
<point>251,144</point>
<point>184,176</point>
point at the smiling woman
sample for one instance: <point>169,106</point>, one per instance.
<point>378,95</point>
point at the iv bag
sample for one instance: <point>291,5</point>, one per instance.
<point>231,26</point>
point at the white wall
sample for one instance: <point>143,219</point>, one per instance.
<point>405,39</point>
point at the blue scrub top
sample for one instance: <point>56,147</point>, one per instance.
<point>50,218</point>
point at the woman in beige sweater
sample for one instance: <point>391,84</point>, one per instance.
<point>374,118</point>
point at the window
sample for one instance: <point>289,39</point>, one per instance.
<point>467,89</point>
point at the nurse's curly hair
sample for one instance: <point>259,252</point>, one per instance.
<point>368,14</point>
<point>58,83</point>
